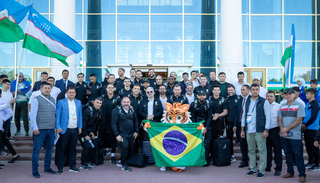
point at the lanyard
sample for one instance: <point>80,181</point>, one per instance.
<point>254,105</point>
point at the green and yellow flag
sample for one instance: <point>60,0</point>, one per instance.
<point>177,145</point>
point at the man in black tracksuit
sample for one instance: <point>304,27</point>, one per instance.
<point>125,128</point>
<point>177,97</point>
<point>94,88</point>
<point>203,87</point>
<point>170,86</point>
<point>82,89</point>
<point>126,90</point>
<point>201,110</point>
<point>119,81</point>
<point>136,99</point>
<point>110,101</point>
<point>159,82</point>
<point>91,116</point>
<point>151,79</point>
<point>219,111</point>
<point>138,80</point>
<point>231,119</point>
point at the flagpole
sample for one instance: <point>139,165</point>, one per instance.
<point>289,78</point>
<point>16,90</point>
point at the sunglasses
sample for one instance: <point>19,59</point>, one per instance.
<point>150,92</point>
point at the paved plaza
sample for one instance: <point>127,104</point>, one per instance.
<point>20,172</point>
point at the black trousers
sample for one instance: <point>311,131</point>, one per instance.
<point>274,141</point>
<point>6,142</point>
<point>230,136</point>
<point>244,150</point>
<point>87,151</point>
<point>127,148</point>
<point>313,152</point>
<point>69,137</point>
<point>109,139</point>
<point>22,111</point>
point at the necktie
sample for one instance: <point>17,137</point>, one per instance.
<point>244,101</point>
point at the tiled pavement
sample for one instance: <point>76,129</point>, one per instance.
<point>20,172</point>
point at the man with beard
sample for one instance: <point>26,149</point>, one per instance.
<point>151,80</point>
<point>170,86</point>
<point>138,80</point>
<point>177,97</point>
<point>109,139</point>
<point>203,87</point>
<point>145,86</point>
<point>119,81</point>
<point>124,92</point>
<point>159,82</point>
<point>94,87</point>
<point>201,110</point>
<point>111,80</point>
<point>125,128</point>
<point>223,84</point>
<point>213,81</point>
<point>189,93</point>
<point>162,96</point>
<point>136,99</point>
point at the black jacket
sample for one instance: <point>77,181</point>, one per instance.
<point>181,99</point>
<point>124,93</point>
<point>36,86</point>
<point>108,105</point>
<point>157,109</point>
<point>214,83</point>
<point>151,81</point>
<point>260,114</point>
<point>207,90</point>
<point>95,90</point>
<point>124,124</point>
<point>81,92</point>
<point>135,103</point>
<point>233,108</point>
<point>90,119</point>
<point>201,112</point>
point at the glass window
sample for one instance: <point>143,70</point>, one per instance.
<point>101,27</point>
<point>7,52</point>
<point>318,23</point>
<point>100,73</point>
<point>246,54</point>
<point>303,25</point>
<point>133,27</point>
<point>133,6</point>
<point>275,75</point>
<point>266,28</point>
<point>166,52</point>
<point>78,6</point>
<point>306,74</point>
<point>245,27</point>
<point>9,72</point>
<point>298,6</point>
<point>245,6</point>
<point>199,27</point>
<point>266,7</point>
<point>132,52</point>
<point>78,27</point>
<point>166,6</point>
<point>318,56</point>
<point>196,6</point>
<point>103,6</point>
<point>304,54</point>
<point>266,54</point>
<point>30,59</point>
<point>166,27</point>
<point>200,54</point>
<point>40,6</point>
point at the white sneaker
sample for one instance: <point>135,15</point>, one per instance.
<point>233,159</point>
<point>163,169</point>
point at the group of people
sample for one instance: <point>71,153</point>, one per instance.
<point>113,111</point>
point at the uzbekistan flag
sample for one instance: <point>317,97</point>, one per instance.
<point>11,14</point>
<point>287,59</point>
<point>177,145</point>
<point>44,38</point>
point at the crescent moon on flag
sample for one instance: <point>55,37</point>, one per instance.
<point>33,15</point>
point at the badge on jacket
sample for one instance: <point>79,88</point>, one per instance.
<point>115,89</point>
<point>155,103</point>
<point>97,87</point>
<point>85,86</point>
<point>207,90</point>
<point>236,101</point>
<point>220,102</point>
<point>138,102</point>
<point>114,100</point>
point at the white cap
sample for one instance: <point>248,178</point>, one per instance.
<point>257,78</point>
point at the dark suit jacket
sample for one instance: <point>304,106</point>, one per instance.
<point>60,84</point>
<point>157,109</point>
<point>36,86</point>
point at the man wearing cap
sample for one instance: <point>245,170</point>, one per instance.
<point>296,95</point>
<point>21,110</point>
<point>263,91</point>
<point>201,110</point>
<point>290,117</point>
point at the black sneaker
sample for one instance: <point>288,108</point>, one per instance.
<point>113,160</point>
<point>14,159</point>
<point>74,169</point>
<point>2,165</point>
<point>277,173</point>
<point>314,168</point>
<point>27,134</point>
<point>309,165</point>
<point>126,168</point>
<point>35,175</point>
<point>268,169</point>
<point>85,167</point>
<point>50,171</point>
<point>60,171</point>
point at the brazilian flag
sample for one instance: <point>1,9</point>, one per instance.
<point>177,145</point>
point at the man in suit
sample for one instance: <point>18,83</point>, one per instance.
<point>64,82</point>
<point>150,109</point>
<point>44,77</point>
<point>68,125</point>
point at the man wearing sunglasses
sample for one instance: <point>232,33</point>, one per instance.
<point>82,89</point>
<point>150,109</point>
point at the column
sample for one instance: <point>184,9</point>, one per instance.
<point>231,54</point>
<point>65,19</point>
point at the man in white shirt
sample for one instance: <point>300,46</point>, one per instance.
<point>238,85</point>
<point>263,91</point>
<point>189,93</point>
<point>273,139</point>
